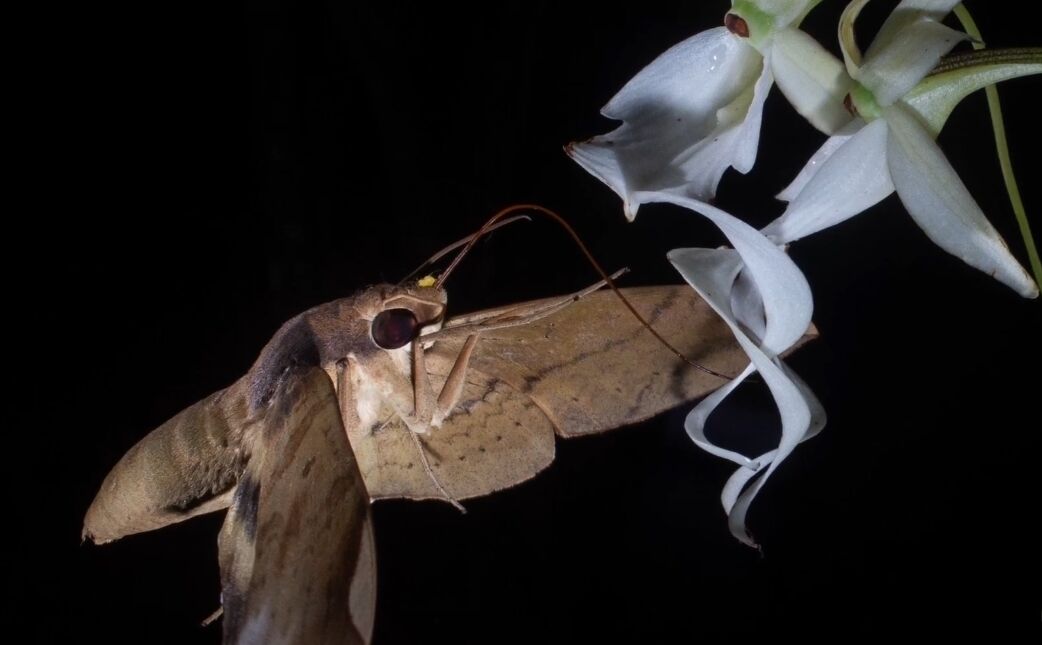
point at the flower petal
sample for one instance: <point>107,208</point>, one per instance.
<point>771,294</point>
<point>831,145</point>
<point>786,296</point>
<point>697,419</point>
<point>811,78</point>
<point>853,177</point>
<point>903,15</point>
<point>713,275</point>
<point>682,120</point>
<point>717,270</point>
<point>847,39</point>
<point>737,501</point>
<point>941,205</point>
<point>891,71</point>
<point>742,139</point>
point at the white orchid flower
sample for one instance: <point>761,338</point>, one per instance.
<point>696,109</point>
<point>766,301</point>
<point>891,146</point>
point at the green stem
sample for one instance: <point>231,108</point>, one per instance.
<point>982,57</point>
<point>1003,150</point>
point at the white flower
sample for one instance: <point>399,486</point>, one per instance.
<point>891,146</point>
<point>696,109</point>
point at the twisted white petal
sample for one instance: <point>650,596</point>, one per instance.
<point>784,292</point>
<point>755,286</point>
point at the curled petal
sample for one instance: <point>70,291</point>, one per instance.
<point>717,271</point>
<point>714,274</point>
<point>847,39</point>
<point>941,205</point>
<point>737,499</point>
<point>686,117</point>
<point>853,177</point>
<point>892,71</point>
<point>811,78</point>
<point>748,305</point>
<point>908,41</point>
<point>786,296</point>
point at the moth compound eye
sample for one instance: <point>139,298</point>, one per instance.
<point>394,328</point>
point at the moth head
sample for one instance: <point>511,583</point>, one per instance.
<point>403,313</point>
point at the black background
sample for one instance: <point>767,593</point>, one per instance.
<point>212,172</point>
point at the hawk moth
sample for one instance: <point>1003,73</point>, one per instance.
<point>380,395</point>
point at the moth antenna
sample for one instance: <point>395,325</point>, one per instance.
<point>458,243</point>
<point>430,473</point>
<point>491,223</point>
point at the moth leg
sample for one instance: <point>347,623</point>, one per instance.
<point>423,391</point>
<point>424,409</point>
<point>453,389</point>
<point>429,411</point>
<point>345,394</point>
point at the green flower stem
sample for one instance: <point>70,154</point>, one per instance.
<point>983,57</point>
<point>1003,149</point>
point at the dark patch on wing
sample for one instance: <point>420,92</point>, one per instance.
<point>246,504</point>
<point>468,406</point>
<point>233,602</point>
<point>293,346</point>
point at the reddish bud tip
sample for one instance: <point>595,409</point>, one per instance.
<point>736,25</point>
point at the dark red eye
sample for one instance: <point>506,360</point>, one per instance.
<point>394,328</point>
